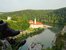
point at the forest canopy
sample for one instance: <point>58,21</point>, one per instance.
<point>51,17</point>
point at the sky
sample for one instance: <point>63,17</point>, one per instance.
<point>15,5</point>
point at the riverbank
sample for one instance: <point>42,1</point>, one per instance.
<point>28,33</point>
<point>25,34</point>
<point>45,38</point>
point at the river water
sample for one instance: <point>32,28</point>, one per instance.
<point>46,38</point>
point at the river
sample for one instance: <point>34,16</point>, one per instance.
<point>45,38</point>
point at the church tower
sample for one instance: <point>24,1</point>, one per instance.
<point>35,20</point>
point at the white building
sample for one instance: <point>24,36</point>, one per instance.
<point>35,24</point>
<point>8,18</point>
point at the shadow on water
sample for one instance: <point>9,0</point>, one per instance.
<point>45,38</point>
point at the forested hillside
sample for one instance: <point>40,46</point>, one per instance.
<point>51,17</point>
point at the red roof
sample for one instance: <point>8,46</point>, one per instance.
<point>37,23</point>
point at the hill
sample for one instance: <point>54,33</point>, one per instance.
<point>51,17</point>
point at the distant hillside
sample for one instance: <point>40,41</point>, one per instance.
<point>2,12</point>
<point>57,16</point>
<point>26,13</point>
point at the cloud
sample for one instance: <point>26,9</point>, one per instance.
<point>10,5</point>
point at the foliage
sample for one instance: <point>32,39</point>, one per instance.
<point>51,17</point>
<point>59,44</point>
<point>22,25</point>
